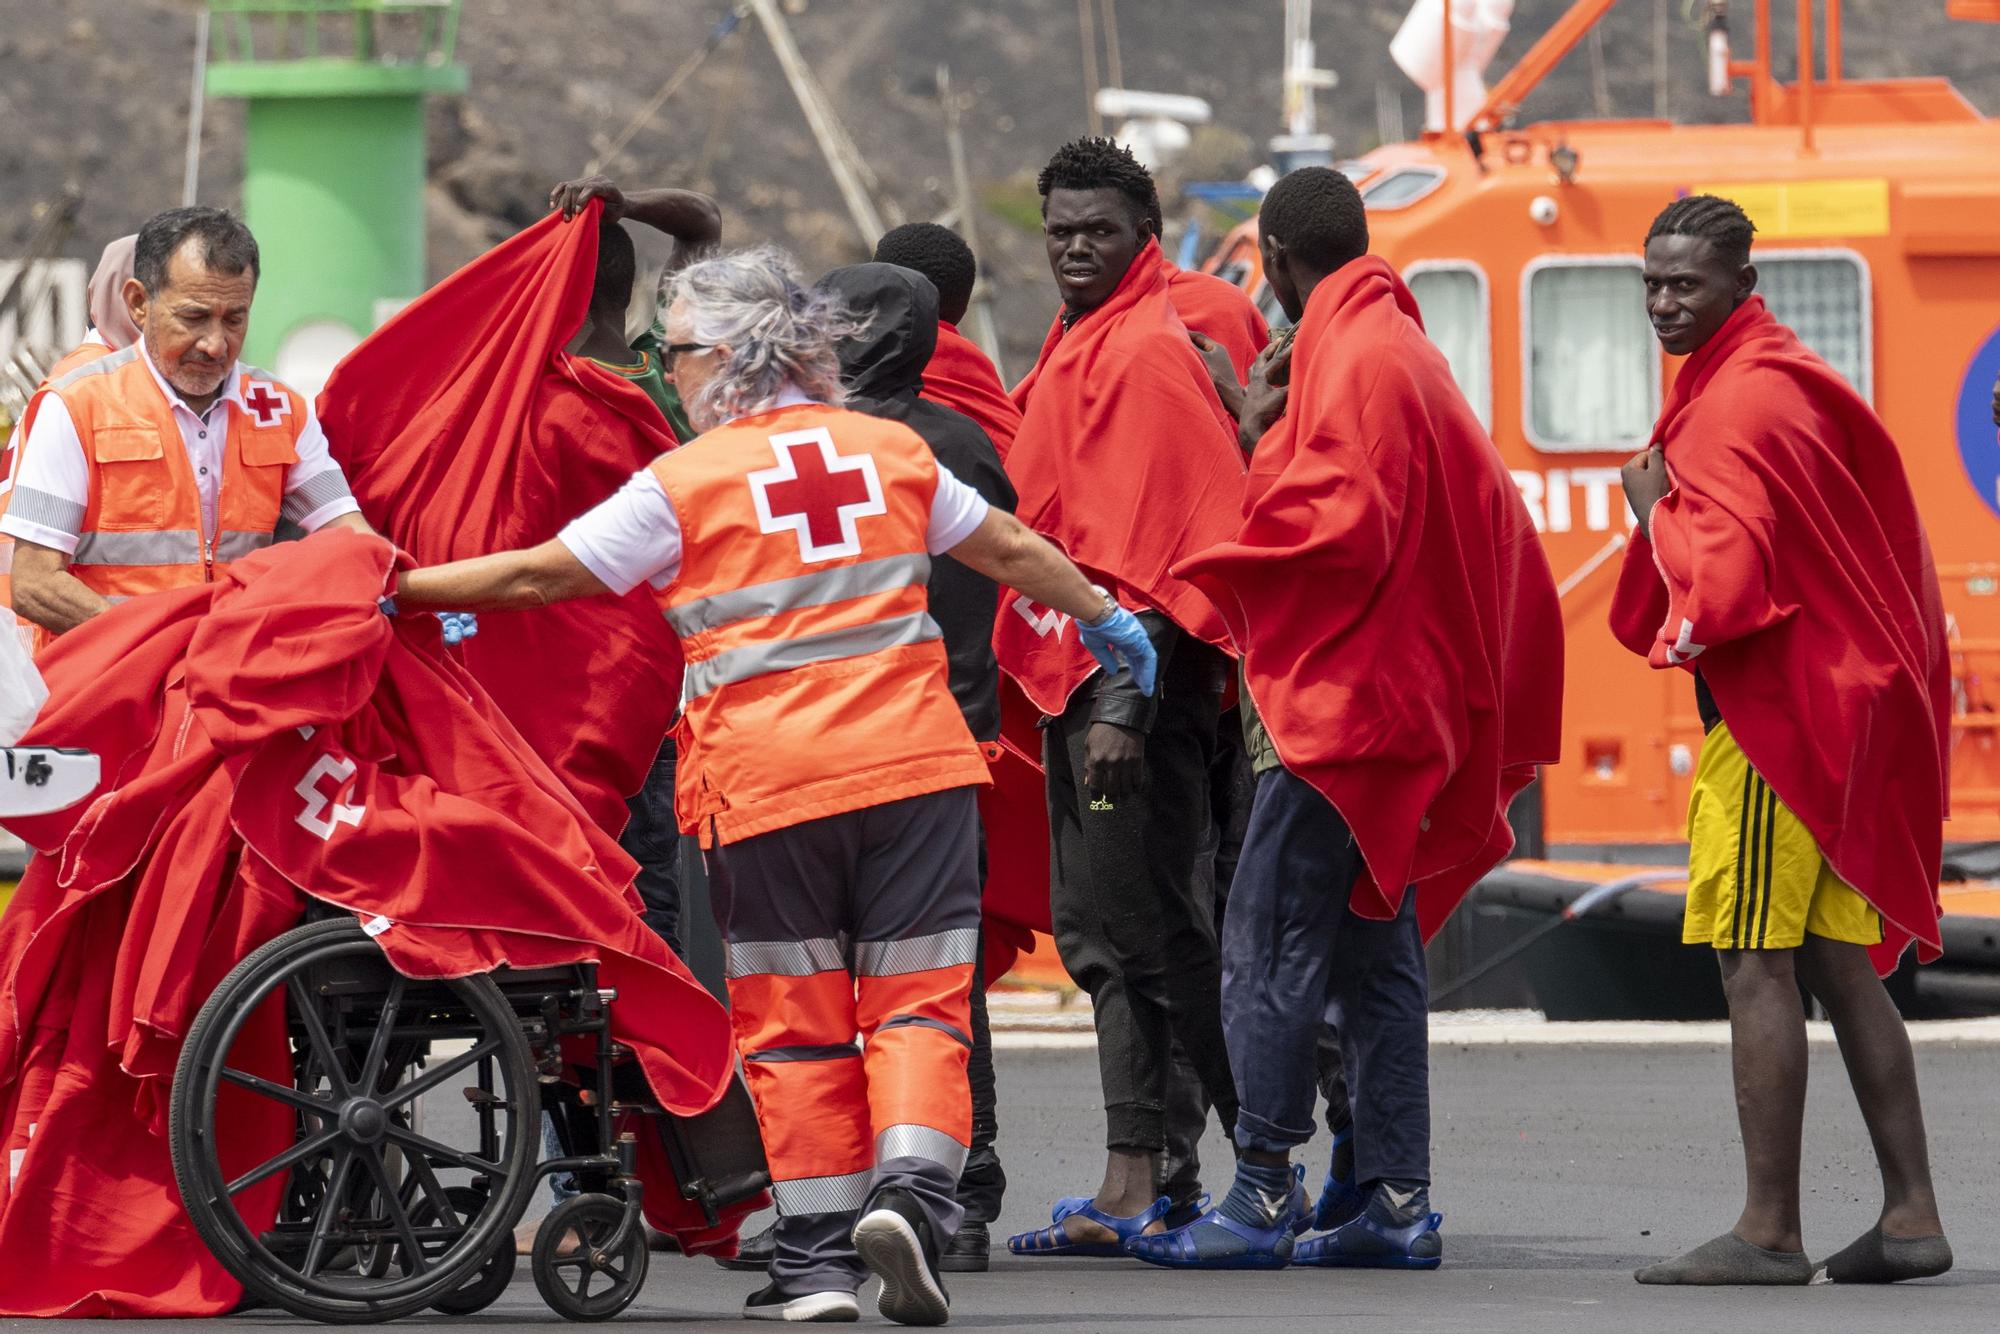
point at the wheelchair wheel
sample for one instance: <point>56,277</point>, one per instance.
<point>367,1227</point>
<point>576,1276</point>
<point>489,1282</point>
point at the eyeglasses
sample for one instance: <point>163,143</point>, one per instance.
<point>672,351</point>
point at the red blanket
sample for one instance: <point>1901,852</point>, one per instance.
<point>1219,310</point>
<point>268,739</point>
<point>1401,635</point>
<point>1127,461</point>
<point>466,428</point>
<point>1789,564</point>
<point>959,376</point>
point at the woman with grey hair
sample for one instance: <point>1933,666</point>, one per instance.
<point>782,339</point>
<point>823,762</point>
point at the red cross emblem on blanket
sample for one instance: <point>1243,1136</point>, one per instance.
<point>817,493</point>
<point>265,403</point>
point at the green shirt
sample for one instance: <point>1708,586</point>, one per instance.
<point>649,375</point>
<point>1263,755</point>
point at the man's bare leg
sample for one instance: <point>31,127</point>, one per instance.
<point>1131,1178</point>
<point>1767,1033</point>
<point>1880,1065</point>
<point>1767,1039</point>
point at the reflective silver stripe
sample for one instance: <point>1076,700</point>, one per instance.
<point>102,366</point>
<point>804,590</point>
<point>946,949</point>
<point>50,511</point>
<point>782,1055</point>
<point>235,546</point>
<point>821,1195</point>
<point>785,958</point>
<point>915,1141</point>
<point>319,489</point>
<point>754,660</point>
<point>172,546</point>
<point>920,1021</point>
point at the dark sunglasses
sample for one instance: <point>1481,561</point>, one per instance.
<point>672,351</point>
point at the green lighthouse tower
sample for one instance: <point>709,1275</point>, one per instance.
<point>333,170</point>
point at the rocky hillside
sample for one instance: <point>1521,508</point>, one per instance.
<point>95,92</point>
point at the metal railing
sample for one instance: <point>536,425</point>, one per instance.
<point>390,32</point>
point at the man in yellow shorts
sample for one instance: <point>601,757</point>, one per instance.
<point>1756,879</point>
<point>1780,559</point>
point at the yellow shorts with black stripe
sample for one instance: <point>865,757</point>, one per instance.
<point>1756,879</point>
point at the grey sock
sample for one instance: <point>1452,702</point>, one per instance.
<point>1731,1260</point>
<point>1876,1257</point>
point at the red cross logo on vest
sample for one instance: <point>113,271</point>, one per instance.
<point>817,493</point>
<point>265,403</point>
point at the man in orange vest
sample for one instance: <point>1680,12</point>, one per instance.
<point>823,762</point>
<point>155,466</point>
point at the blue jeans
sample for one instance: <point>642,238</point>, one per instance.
<point>1294,957</point>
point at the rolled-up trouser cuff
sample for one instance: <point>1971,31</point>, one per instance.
<point>1135,1125</point>
<point>1256,1135</point>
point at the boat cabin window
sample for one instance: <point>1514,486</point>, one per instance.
<point>1452,297</point>
<point>1401,187</point>
<point>1824,296</point>
<point>1592,366</point>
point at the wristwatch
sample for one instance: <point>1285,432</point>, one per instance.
<point>1110,606</point>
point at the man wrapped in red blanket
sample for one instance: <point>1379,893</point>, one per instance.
<point>1780,560</point>
<point>1125,460</point>
<point>209,708</point>
<point>1402,644</point>
<point>466,424</point>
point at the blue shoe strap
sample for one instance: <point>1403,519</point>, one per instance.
<point>1395,1236</point>
<point>1066,1206</point>
<point>1126,1228</point>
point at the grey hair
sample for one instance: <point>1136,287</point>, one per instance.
<point>778,331</point>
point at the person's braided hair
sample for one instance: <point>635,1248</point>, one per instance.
<point>1720,222</point>
<point>1099,164</point>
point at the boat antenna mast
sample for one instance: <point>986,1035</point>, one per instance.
<point>1302,144</point>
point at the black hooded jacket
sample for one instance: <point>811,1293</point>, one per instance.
<point>884,371</point>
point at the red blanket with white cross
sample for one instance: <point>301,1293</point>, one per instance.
<point>1128,462</point>
<point>466,428</point>
<point>265,740</point>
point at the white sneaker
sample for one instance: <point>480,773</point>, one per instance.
<point>767,1303</point>
<point>891,1238</point>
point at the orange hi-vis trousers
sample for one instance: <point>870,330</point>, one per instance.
<point>851,942</point>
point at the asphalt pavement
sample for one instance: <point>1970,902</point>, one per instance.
<point>1560,1167</point>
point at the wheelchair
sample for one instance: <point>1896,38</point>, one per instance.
<point>393,1196</point>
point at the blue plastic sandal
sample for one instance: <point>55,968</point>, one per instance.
<point>1366,1243</point>
<point>1055,1239</point>
<point>1068,1205</point>
<point>1340,1203</point>
<point>1216,1241</point>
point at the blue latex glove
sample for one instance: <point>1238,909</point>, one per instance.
<point>458,625</point>
<point>1122,637</point>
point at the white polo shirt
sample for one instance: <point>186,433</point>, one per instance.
<point>634,537</point>
<point>51,482</point>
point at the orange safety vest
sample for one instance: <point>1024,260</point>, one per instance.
<point>80,355</point>
<point>816,678</point>
<point>142,528</point>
